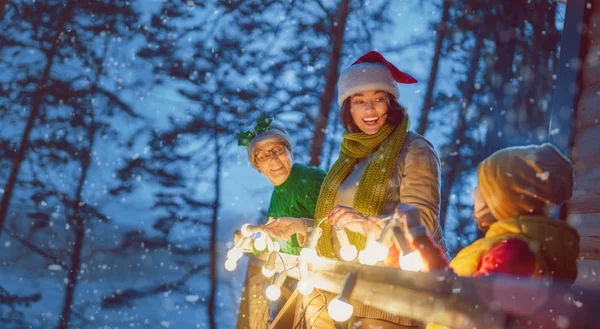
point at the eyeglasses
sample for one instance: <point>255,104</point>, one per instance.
<point>277,150</point>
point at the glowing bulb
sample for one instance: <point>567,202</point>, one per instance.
<point>305,287</point>
<point>271,245</point>
<point>308,254</point>
<point>348,253</point>
<point>273,292</point>
<point>230,265</point>
<point>366,258</point>
<point>378,250</point>
<point>347,250</point>
<point>246,230</point>
<point>268,269</point>
<point>268,273</point>
<point>412,262</point>
<point>235,253</point>
<point>339,310</point>
<point>260,243</point>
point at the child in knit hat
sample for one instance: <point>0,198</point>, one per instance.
<point>517,188</point>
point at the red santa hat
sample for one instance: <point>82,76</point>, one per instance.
<point>370,72</point>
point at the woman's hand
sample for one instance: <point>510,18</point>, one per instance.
<point>237,235</point>
<point>373,226</point>
<point>346,217</point>
<point>410,216</point>
<point>285,227</point>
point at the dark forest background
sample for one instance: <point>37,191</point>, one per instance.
<point>121,179</point>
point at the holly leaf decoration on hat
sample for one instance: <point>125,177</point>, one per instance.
<point>263,123</point>
<point>244,138</point>
<point>375,57</point>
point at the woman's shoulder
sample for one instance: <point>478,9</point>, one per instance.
<point>417,148</point>
<point>415,141</point>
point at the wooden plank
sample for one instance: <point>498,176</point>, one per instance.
<point>588,226</point>
<point>584,206</point>
<point>590,247</point>
<point>486,302</point>
<point>282,320</point>
<point>568,83</point>
<point>591,64</point>
<point>586,152</point>
<point>588,108</point>
<point>588,275</point>
<point>594,25</point>
<point>587,185</point>
<point>589,223</point>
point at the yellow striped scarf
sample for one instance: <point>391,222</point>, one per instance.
<point>373,186</point>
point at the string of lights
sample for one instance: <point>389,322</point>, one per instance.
<point>339,308</point>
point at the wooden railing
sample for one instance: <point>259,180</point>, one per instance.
<point>442,298</point>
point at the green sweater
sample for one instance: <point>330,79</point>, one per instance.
<point>296,197</point>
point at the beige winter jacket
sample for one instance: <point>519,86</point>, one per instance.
<point>415,181</point>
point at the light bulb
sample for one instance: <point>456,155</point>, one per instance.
<point>230,265</point>
<point>260,243</point>
<point>268,273</point>
<point>271,245</point>
<point>366,258</point>
<point>348,253</point>
<point>246,230</point>
<point>269,268</point>
<point>366,255</point>
<point>379,250</point>
<point>339,310</point>
<point>273,292</point>
<point>412,262</point>
<point>314,238</point>
<point>308,254</point>
<point>305,287</point>
<point>235,253</point>
<point>347,250</point>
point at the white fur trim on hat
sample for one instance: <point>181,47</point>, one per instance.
<point>363,77</point>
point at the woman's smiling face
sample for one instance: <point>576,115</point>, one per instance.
<point>273,160</point>
<point>369,110</point>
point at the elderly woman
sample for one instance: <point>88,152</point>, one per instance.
<point>296,186</point>
<point>295,193</point>
<point>381,165</point>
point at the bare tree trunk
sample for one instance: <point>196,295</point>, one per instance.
<point>453,162</point>
<point>498,137</point>
<point>332,145</point>
<point>213,236</point>
<point>37,99</point>
<point>337,37</point>
<point>3,4</point>
<point>435,62</point>
<point>77,221</point>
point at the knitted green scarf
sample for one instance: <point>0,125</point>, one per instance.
<point>374,183</point>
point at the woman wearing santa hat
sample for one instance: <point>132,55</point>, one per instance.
<point>381,164</point>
